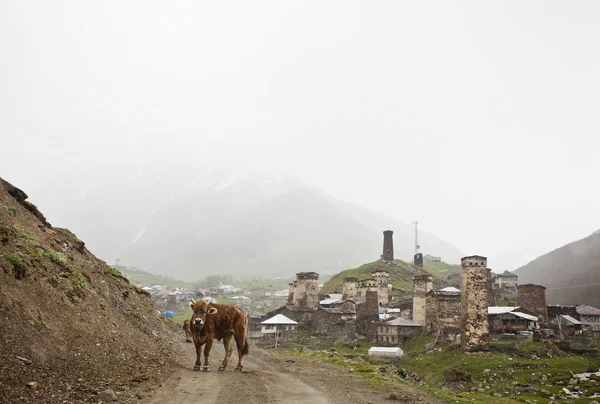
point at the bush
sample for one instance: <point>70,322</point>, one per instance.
<point>24,234</point>
<point>402,373</point>
<point>55,256</point>
<point>15,260</point>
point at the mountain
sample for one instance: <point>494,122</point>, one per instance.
<point>193,220</point>
<point>570,273</point>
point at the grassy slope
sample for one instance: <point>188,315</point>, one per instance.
<point>148,279</point>
<point>401,274</point>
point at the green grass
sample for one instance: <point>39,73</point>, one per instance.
<point>502,371</point>
<point>401,274</point>
<point>24,234</point>
<point>148,279</point>
<point>14,260</point>
<point>54,256</point>
<point>179,318</point>
<point>11,210</point>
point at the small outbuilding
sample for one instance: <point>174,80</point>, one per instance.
<point>386,351</point>
<point>280,328</point>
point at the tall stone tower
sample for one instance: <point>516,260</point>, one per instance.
<point>350,288</point>
<point>475,329</point>
<point>388,246</point>
<point>533,298</point>
<point>422,284</point>
<point>306,291</point>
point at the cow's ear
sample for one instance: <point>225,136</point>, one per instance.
<point>212,310</point>
<point>192,305</point>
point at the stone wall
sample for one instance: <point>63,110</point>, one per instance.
<point>388,246</point>
<point>505,295</point>
<point>475,332</point>
<point>533,298</point>
<point>350,288</point>
<point>490,288</point>
<point>306,291</point>
<point>422,284</point>
<point>443,315</point>
<point>367,316</point>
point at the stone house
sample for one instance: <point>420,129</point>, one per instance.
<point>590,320</point>
<point>442,313</point>
<point>504,288</point>
<point>396,330</point>
<point>276,301</point>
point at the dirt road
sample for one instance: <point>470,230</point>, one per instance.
<point>269,378</point>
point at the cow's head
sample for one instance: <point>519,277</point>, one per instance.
<point>201,309</point>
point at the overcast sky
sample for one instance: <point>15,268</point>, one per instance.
<point>479,119</point>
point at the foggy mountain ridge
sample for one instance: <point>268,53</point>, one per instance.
<point>189,222</point>
<point>571,273</point>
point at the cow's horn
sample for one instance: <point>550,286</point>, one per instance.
<point>192,300</point>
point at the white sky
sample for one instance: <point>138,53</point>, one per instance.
<point>479,119</point>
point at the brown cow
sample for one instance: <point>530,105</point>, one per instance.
<point>220,321</point>
<point>186,328</point>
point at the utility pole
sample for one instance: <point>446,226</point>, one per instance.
<point>416,223</point>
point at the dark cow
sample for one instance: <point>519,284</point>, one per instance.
<point>220,321</point>
<point>186,328</point>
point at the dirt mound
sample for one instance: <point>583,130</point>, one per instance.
<point>70,326</point>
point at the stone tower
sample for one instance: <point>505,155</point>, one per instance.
<point>292,288</point>
<point>388,246</point>
<point>383,282</point>
<point>422,284</point>
<point>418,260</point>
<point>306,290</point>
<point>475,333</point>
<point>533,298</point>
<point>350,288</point>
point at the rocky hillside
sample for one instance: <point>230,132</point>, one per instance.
<point>190,221</point>
<point>401,274</point>
<point>570,273</point>
<point>71,327</point>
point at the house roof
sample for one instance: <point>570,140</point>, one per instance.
<point>500,309</point>
<point>450,289</point>
<point>507,274</point>
<point>525,316</point>
<point>587,310</point>
<point>570,319</point>
<point>495,310</point>
<point>399,321</point>
<point>279,319</point>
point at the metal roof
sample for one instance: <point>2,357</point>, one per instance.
<point>399,321</point>
<point>525,316</point>
<point>570,319</point>
<point>500,310</point>
<point>279,319</point>
<point>587,310</point>
<point>450,289</point>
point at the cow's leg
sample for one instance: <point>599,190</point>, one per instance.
<point>198,354</point>
<point>207,348</point>
<point>240,341</point>
<point>228,345</point>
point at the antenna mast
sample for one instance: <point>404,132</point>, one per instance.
<point>417,246</point>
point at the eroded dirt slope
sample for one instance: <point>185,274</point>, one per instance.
<point>70,326</point>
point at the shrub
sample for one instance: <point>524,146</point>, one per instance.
<point>24,234</point>
<point>15,260</point>
<point>402,373</point>
<point>55,256</point>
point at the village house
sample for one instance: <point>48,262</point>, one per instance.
<point>442,312</point>
<point>276,301</point>
<point>590,320</point>
<point>511,320</point>
<point>396,330</point>
<point>280,328</point>
<point>241,301</point>
<point>431,258</point>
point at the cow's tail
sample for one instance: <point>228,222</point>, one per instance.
<point>246,349</point>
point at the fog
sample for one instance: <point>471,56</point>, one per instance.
<point>478,119</point>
